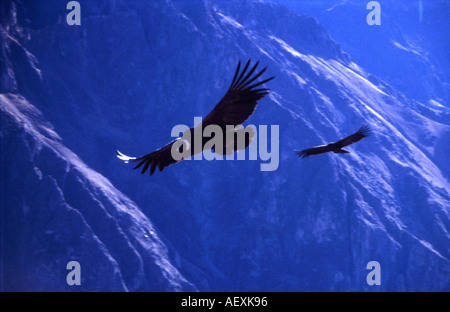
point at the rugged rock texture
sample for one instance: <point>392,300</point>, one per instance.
<point>409,50</point>
<point>55,210</point>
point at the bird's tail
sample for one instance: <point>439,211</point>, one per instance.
<point>341,151</point>
<point>244,137</point>
<point>236,140</point>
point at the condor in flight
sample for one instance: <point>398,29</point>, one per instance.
<point>234,109</point>
<point>336,147</point>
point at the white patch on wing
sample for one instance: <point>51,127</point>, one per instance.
<point>124,157</point>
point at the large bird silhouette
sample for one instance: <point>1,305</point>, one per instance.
<point>237,105</point>
<point>336,147</point>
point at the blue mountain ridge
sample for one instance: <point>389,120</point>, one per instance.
<point>408,50</point>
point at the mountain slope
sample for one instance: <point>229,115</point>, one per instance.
<point>55,210</point>
<point>408,50</point>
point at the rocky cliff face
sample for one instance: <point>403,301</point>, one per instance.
<point>135,69</point>
<point>408,50</point>
<point>55,210</point>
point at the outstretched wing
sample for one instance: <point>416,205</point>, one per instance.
<point>240,100</point>
<point>322,149</point>
<point>362,133</point>
<point>160,158</point>
<point>235,107</point>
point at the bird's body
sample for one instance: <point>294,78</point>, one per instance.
<point>233,110</point>
<point>336,147</point>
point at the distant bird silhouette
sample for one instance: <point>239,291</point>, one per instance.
<point>234,109</point>
<point>336,147</point>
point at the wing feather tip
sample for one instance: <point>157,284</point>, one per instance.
<point>301,154</point>
<point>365,131</point>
